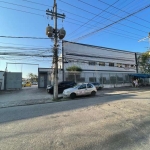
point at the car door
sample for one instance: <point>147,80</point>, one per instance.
<point>60,87</point>
<point>89,89</point>
<point>82,90</point>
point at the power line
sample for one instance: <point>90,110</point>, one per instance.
<point>37,3</point>
<point>24,48</point>
<point>23,37</point>
<point>91,33</point>
<point>24,45</point>
<point>104,18</point>
<point>123,31</point>
<point>31,7</point>
<point>123,11</point>
<point>61,10</point>
<point>111,27</point>
<point>92,18</point>
<point>77,7</point>
<point>22,11</point>
<point>23,54</point>
<point>112,13</point>
<point>22,6</point>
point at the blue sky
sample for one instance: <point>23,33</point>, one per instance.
<point>82,17</point>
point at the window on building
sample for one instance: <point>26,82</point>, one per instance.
<point>111,64</point>
<point>101,63</point>
<point>92,63</point>
<point>119,65</point>
<point>132,66</point>
<point>126,65</point>
<point>92,79</point>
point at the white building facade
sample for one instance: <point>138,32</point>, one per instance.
<point>107,66</point>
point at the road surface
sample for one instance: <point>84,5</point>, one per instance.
<point>116,122</point>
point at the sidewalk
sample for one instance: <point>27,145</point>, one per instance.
<point>26,96</point>
<point>39,96</point>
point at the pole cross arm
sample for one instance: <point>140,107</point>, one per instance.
<point>51,13</point>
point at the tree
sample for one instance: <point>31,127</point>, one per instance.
<point>33,77</point>
<point>144,62</point>
<point>74,68</point>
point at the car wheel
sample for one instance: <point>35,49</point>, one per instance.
<point>93,93</point>
<point>51,92</point>
<point>72,95</point>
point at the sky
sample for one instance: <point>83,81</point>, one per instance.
<point>94,22</point>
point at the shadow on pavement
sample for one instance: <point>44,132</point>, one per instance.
<point>28,112</point>
<point>133,137</point>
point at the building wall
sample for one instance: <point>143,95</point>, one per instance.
<point>44,77</point>
<point>2,80</point>
<point>110,76</point>
<point>81,55</point>
<point>13,80</point>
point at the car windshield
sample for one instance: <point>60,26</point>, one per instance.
<point>77,86</point>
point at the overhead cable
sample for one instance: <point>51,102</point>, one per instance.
<point>96,31</point>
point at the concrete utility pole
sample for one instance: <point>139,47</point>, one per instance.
<point>55,54</point>
<point>55,33</point>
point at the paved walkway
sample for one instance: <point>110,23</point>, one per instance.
<point>33,95</point>
<point>26,96</point>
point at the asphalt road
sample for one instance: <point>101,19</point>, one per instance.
<point>117,122</point>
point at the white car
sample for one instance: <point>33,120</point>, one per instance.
<point>80,89</point>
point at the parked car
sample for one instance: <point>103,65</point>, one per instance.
<point>79,90</point>
<point>61,86</point>
<point>26,84</point>
<point>97,85</point>
<point>34,83</point>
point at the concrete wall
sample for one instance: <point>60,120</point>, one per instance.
<point>81,55</point>
<point>2,80</point>
<point>13,80</point>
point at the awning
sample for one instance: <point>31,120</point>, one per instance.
<point>140,75</point>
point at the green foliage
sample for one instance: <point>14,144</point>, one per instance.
<point>74,68</point>
<point>33,77</point>
<point>144,62</point>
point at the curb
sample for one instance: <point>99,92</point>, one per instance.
<point>60,99</point>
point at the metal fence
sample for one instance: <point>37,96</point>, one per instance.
<point>103,78</point>
<point>106,79</point>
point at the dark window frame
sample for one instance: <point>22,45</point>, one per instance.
<point>111,64</point>
<point>92,63</point>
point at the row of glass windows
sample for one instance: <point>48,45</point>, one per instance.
<point>93,63</point>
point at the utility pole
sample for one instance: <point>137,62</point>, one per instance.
<point>55,54</point>
<point>55,33</point>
